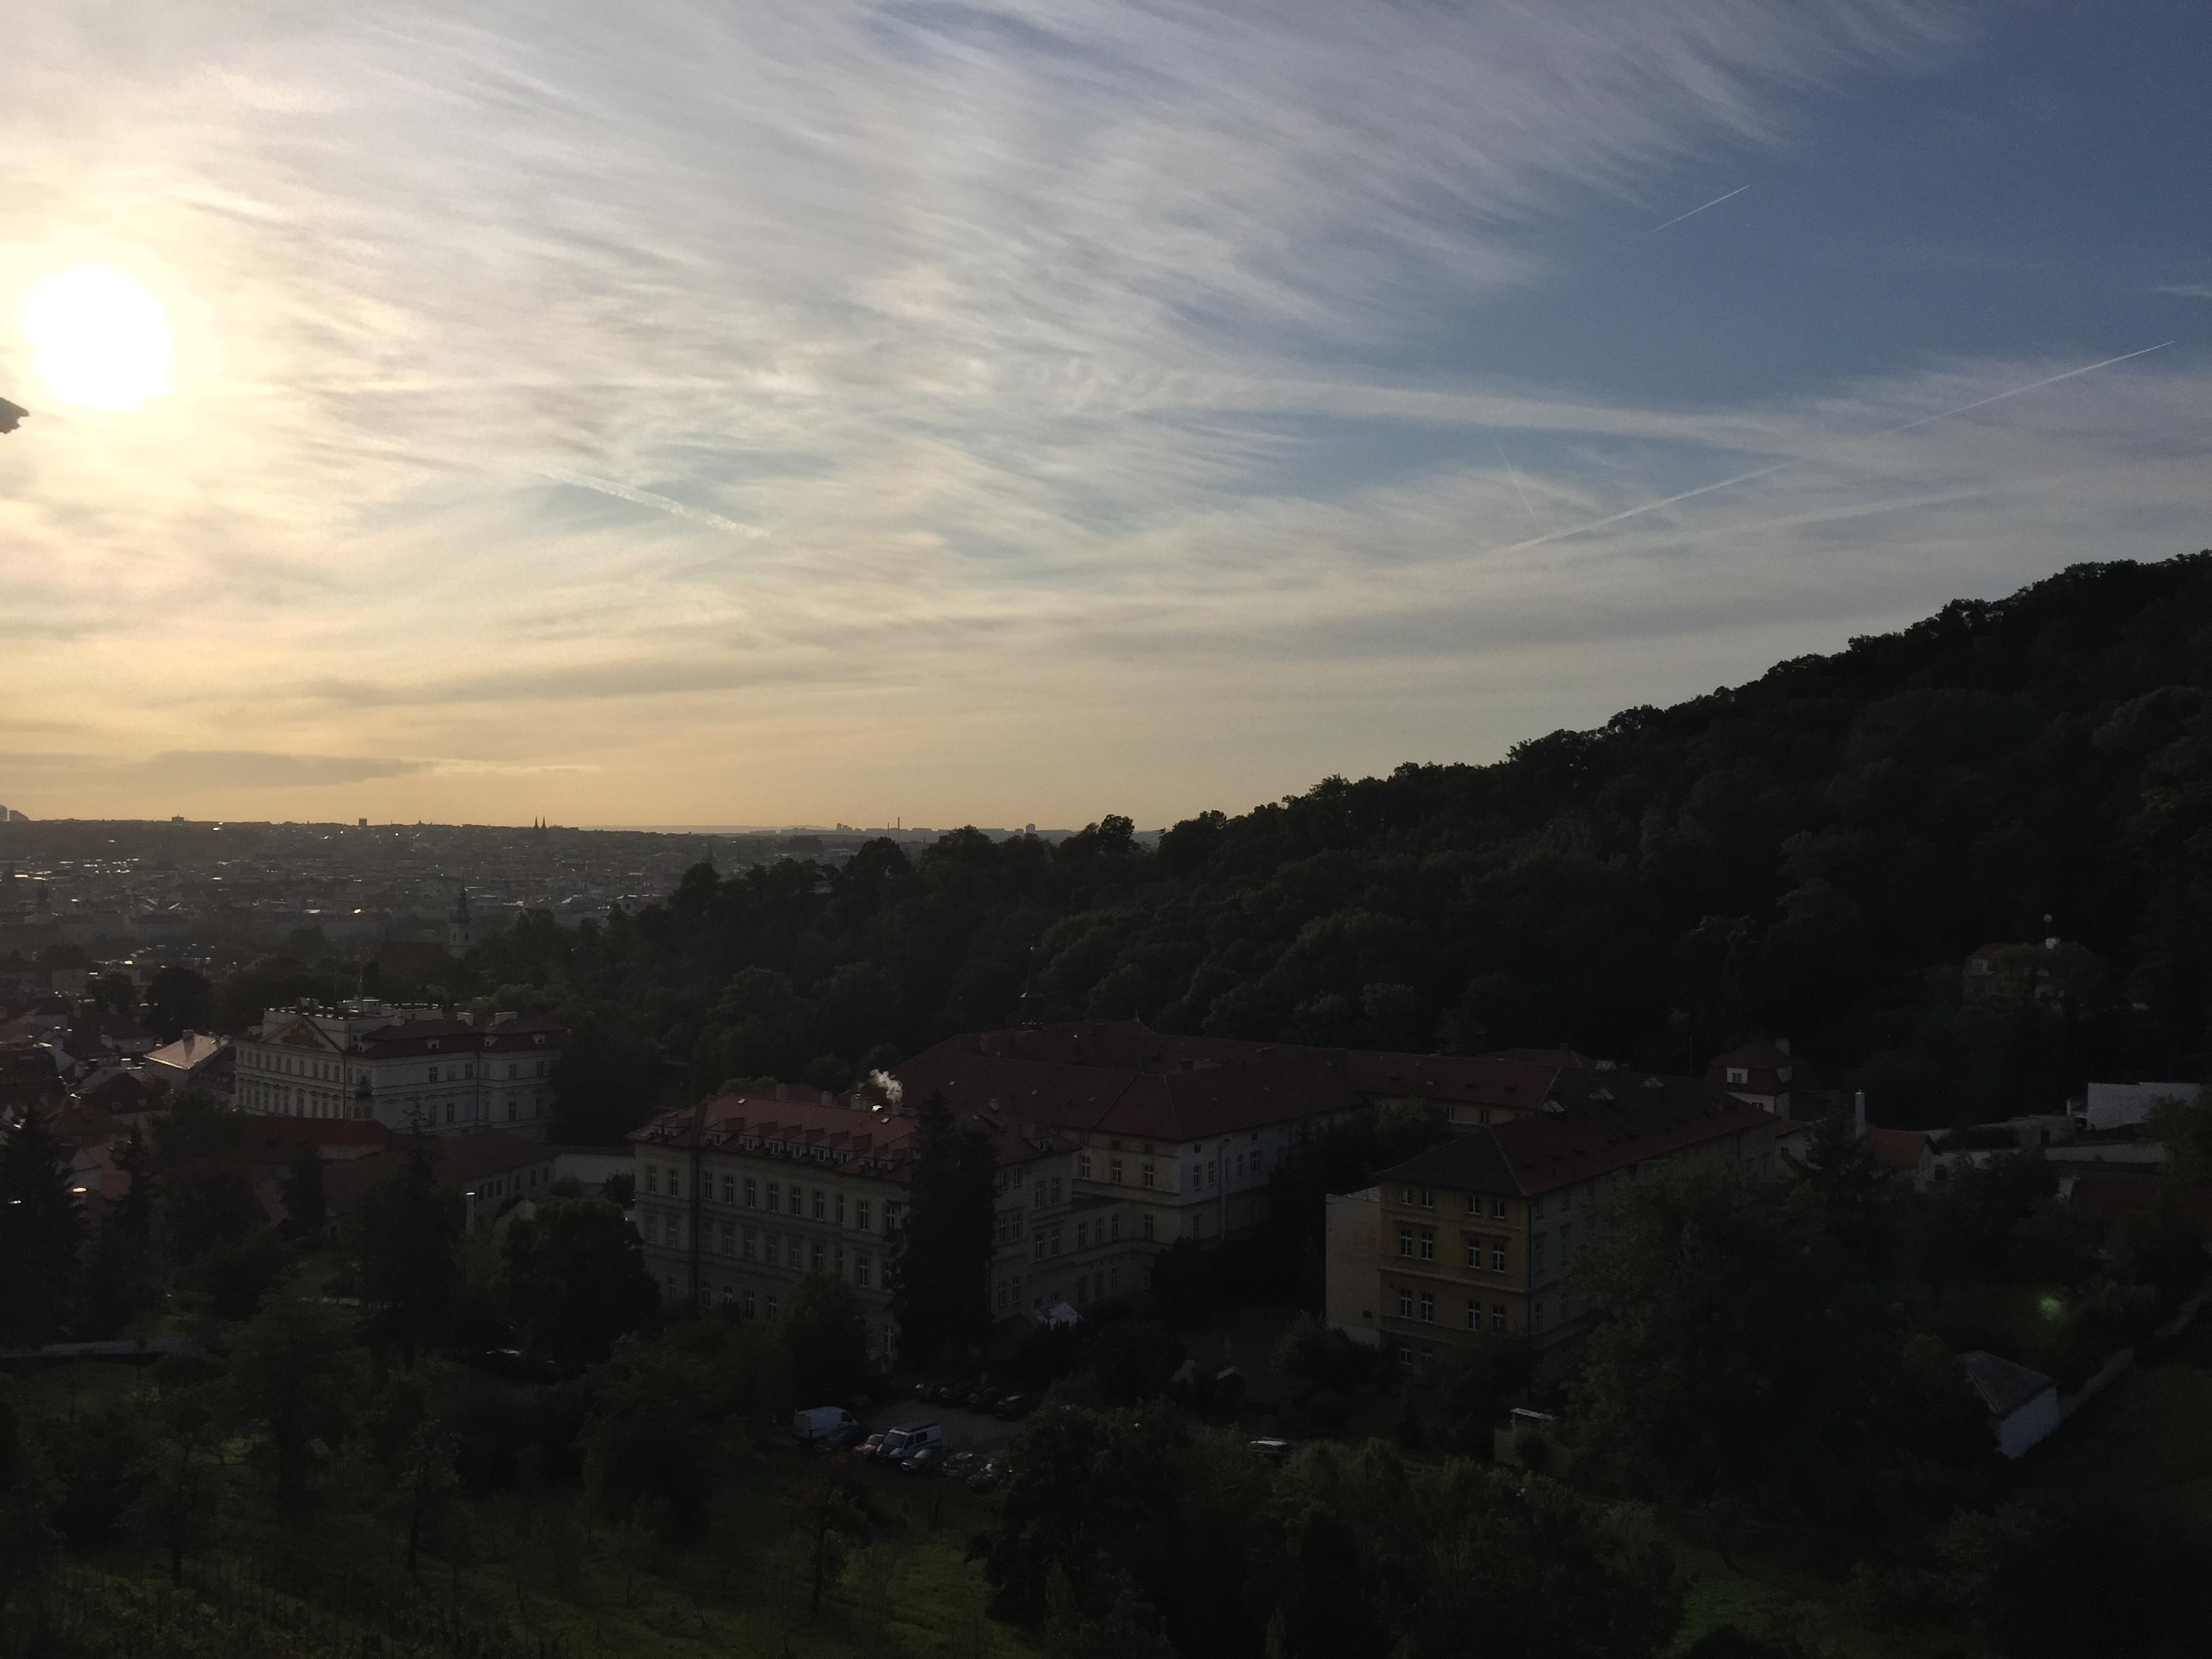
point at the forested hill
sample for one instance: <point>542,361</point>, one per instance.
<point>1812,855</point>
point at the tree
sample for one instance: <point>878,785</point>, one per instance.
<point>1740,1358</point>
<point>650,1450</point>
<point>176,1510</point>
<point>827,1333</point>
<point>178,1000</point>
<point>2184,1127</point>
<point>27,1494</point>
<point>410,1234</point>
<point>293,1375</point>
<point>573,1280</point>
<point>1855,1194</point>
<point>306,1212</point>
<point>41,1234</point>
<point>941,1255</point>
<point>830,1507</point>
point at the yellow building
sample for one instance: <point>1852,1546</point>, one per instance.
<point>1476,1238</point>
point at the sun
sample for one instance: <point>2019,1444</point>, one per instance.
<point>99,337</point>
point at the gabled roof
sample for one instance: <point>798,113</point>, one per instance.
<point>2003,1385</point>
<point>1597,1121</point>
<point>189,1052</point>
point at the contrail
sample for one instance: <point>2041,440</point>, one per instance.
<point>1692,214</point>
<point>623,492</point>
<point>2016,390</point>
<point>1519,489</point>
<point>1799,460</point>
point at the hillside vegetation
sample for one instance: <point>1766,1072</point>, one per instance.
<point>1813,853</point>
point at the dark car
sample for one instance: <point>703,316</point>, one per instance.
<point>984,1399</point>
<point>1275,1451</point>
<point>925,1461</point>
<point>869,1447</point>
<point>1013,1408</point>
<point>926,1388</point>
<point>954,1391</point>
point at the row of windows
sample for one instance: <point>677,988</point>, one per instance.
<point>1419,1244</point>
<point>1146,1176</point>
<point>789,1251</point>
<point>1425,1197</point>
<point>820,1204</point>
<point>1422,1305</point>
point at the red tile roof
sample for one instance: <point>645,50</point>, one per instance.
<point>1898,1148</point>
<point>1604,1121</point>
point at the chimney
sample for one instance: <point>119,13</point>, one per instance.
<point>782,1092</point>
<point>1858,1113</point>
<point>1782,1043</point>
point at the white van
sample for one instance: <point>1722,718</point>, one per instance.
<point>832,1423</point>
<point>901,1444</point>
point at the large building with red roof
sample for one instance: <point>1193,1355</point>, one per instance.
<point>741,1197</point>
<point>401,1066</point>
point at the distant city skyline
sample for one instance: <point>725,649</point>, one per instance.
<point>708,415</point>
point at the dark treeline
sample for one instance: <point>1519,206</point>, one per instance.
<point>1813,853</point>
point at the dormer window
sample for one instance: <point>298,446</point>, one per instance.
<point>1739,1074</point>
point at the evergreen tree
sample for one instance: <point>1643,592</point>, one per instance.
<point>410,1233</point>
<point>305,1211</point>
<point>941,1257</point>
<point>41,1233</point>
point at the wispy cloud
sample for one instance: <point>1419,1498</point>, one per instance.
<point>989,374</point>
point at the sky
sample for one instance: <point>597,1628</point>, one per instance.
<point>688,414</point>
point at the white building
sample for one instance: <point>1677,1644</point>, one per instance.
<point>400,1065</point>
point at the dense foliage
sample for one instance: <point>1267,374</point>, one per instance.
<point>1815,853</point>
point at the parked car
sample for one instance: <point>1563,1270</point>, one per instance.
<point>987,1476</point>
<point>1275,1451</point>
<point>869,1447</point>
<point>960,1465</point>
<point>926,1388</point>
<point>900,1444</point>
<point>984,1398</point>
<point>923,1459</point>
<point>1013,1408</point>
<point>820,1424</point>
<point>954,1391</point>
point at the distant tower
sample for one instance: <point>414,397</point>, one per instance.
<point>460,932</point>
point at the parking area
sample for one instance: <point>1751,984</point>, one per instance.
<point>964,1430</point>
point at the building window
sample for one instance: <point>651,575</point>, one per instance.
<point>1428,1198</point>
<point>752,1193</point>
<point>1055,1189</point>
<point>1498,1316</point>
<point>1082,1235</point>
<point>1405,1352</point>
<point>1146,1174</point>
<point>729,1238</point>
<point>860,1270</point>
<point>652,1226</point>
<point>1428,1309</point>
<point>1566,1241</point>
<point>752,1245</point>
<point>1036,1248</point>
<point>675,1184</point>
<point>1148,1224</point>
<point>1739,1074</point>
<point>1113,1170</point>
<point>1497,1209</point>
<point>752,1307</point>
<point>729,1189</point>
<point>771,1305</point>
<point>434,1074</point>
<point>821,1206</point>
<point>1405,1241</point>
<point>1498,1255</point>
<point>1118,1226</point>
<point>653,1177</point>
<point>1428,1244</point>
<point>1114,1278</point>
<point>1473,1315</point>
<point>1473,1250</point>
<point>861,1215</point>
<point>1536,1252</point>
<point>1405,1194</point>
<point>775,1196</point>
<point>1535,1315</point>
<point>1083,1166</point>
<point>1405,1303</point>
<point>840,1209</point>
<point>1055,1238</point>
